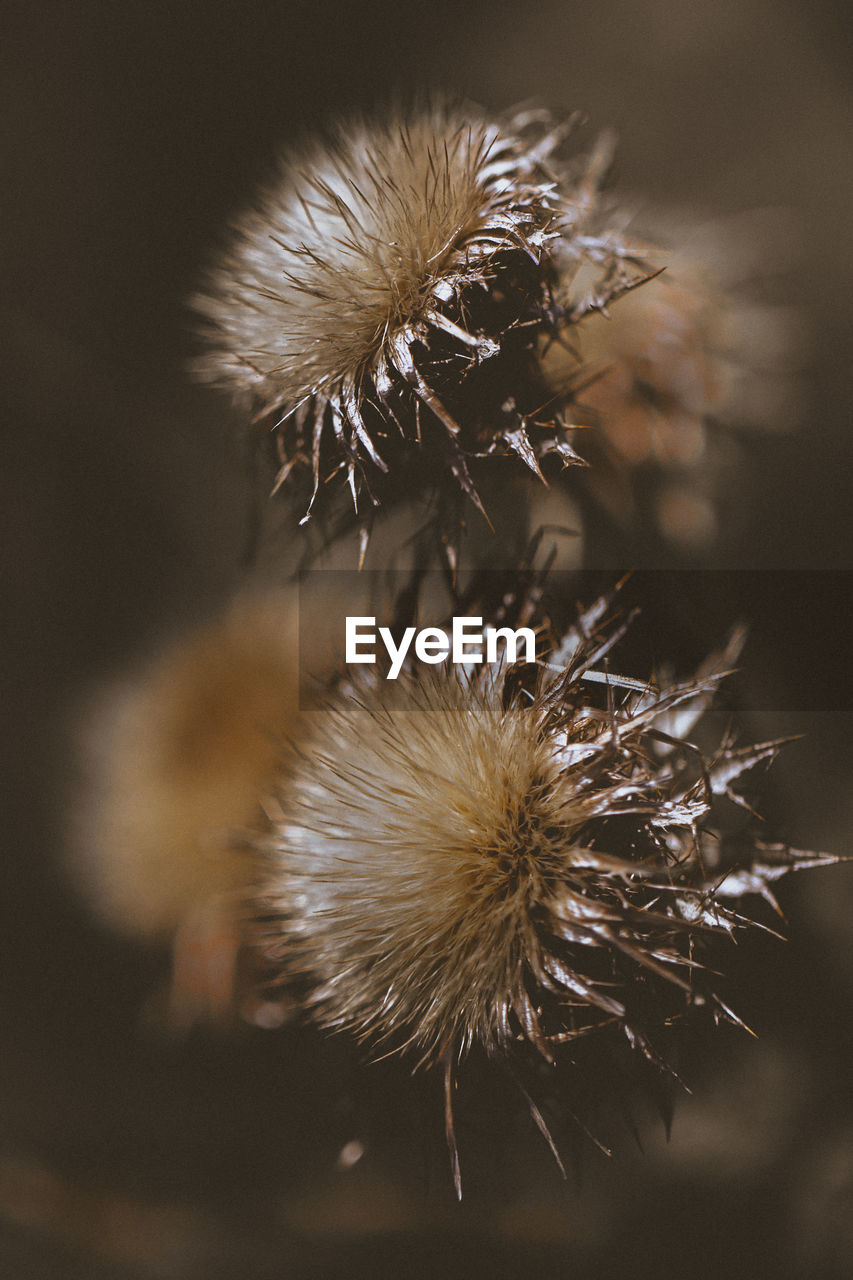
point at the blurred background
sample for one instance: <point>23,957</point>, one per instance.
<point>130,134</point>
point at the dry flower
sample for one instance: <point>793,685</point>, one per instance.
<point>662,378</point>
<point>521,858</point>
<point>177,757</point>
<point>384,301</point>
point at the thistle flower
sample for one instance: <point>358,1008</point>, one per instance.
<point>692,348</point>
<point>384,299</point>
<point>176,759</point>
<point>500,860</point>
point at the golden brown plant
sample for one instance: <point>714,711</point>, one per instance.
<point>666,380</point>
<point>178,758</point>
<point>419,296</point>
<point>384,299</point>
<point>486,859</point>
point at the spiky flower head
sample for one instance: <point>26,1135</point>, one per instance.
<point>387,292</point>
<point>486,860</point>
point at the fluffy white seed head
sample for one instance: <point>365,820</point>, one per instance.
<point>385,294</point>
<point>414,857</point>
<point>459,860</point>
<point>357,240</point>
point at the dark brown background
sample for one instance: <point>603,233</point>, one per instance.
<point>130,132</point>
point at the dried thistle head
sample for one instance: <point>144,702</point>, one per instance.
<point>384,299</point>
<point>176,758</point>
<point>512,859</point>
<point>661,377</point>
